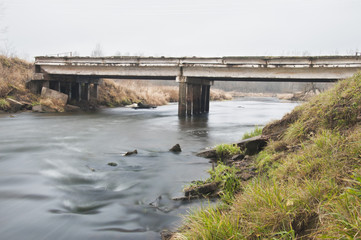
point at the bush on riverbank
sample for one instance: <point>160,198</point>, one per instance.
<point>309,184</point>
<point>125,92</point>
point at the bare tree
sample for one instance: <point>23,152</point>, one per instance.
<point>98,51</point>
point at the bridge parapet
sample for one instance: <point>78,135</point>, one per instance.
<point>320,61</point>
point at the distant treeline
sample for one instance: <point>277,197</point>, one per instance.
<point>259,87</point>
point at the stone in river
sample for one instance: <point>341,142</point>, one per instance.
<point>131,153</point>
<point>176,148</point>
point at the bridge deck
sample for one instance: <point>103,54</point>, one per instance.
<point>318,68</point>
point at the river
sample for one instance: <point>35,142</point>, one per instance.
<point>55,181</point>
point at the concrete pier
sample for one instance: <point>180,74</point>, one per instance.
<point>193,96</point>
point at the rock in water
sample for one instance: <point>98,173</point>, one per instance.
<point>207,189</point>
<point>113,164</point>
<point>145,106</point>
<point>176,148</point>
<point>166,234</point>
<point>253,145</point>
<point>43,109</point>
<point>72,108</point>
<point>208,153</point>
<point>131,153</point>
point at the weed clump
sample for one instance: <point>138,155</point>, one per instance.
<point>223,151</point>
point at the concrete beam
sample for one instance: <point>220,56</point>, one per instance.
<point>172,61</point>
<point>265,74</point>
<point>112,71</point>
<point>194,81</point>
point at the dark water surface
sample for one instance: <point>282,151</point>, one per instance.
<point>48,189</point>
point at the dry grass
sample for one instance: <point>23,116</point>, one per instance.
<point>219,95</point>
<point>120,93</point>
<point>124,92</point>
<point>13,74</point>
<point>54,104</point>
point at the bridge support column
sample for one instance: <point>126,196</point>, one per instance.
<point>208,93</point>
<point>193,96</point>
<point>182,103</point>
<point>93,95</point>
<point>197,92</point>
<point>57,86</point>
<point>203,98</point>
<point>54,85</point>
<point>85,91</point>
<point>77,91</point>
<point>68,86</point>
<point>189,99</point>
<point>46,84</point>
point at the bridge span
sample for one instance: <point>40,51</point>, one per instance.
<point>79,76</point>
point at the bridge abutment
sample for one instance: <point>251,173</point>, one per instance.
<point>193,96</point>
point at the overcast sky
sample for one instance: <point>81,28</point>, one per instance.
<point>182,27</point>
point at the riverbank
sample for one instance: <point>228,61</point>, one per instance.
<point>13,93</point>
<point>307,181</point>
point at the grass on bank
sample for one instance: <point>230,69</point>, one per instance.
<point>13,74</point>
<point>309,184</point>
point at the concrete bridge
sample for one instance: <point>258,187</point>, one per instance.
<point>79,76</point>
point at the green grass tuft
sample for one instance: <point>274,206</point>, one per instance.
<point>256,132</point>
<point>225,150</point>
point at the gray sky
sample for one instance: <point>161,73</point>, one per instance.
<point>182,27</point>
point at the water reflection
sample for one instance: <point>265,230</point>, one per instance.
<point>195,126</point>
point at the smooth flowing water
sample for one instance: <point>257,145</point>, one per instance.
<point>55,181</point>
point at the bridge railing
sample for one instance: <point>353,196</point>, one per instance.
<point>319,61</point>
